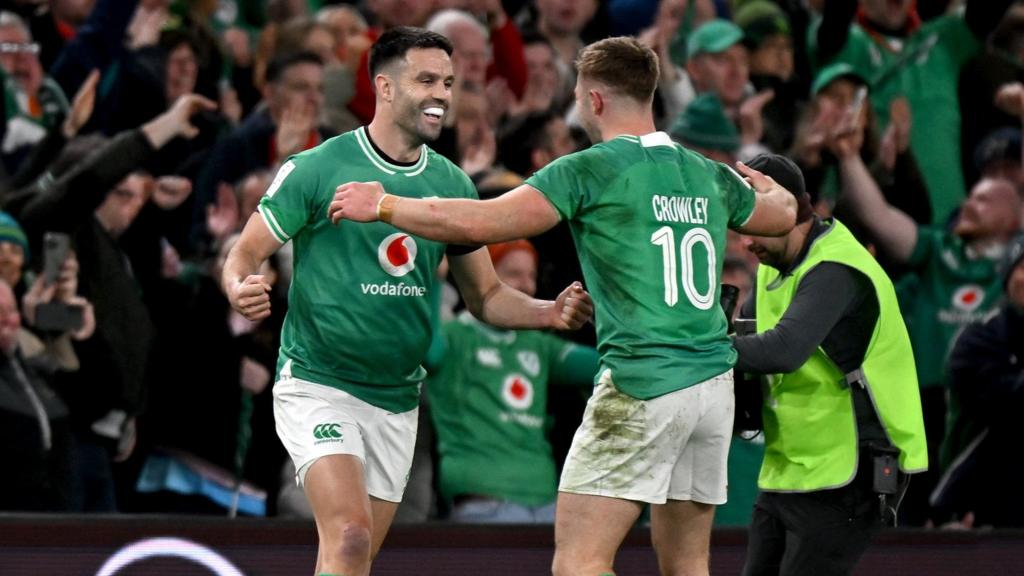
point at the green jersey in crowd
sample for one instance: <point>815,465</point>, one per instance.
<point>949,291</point>
<point>489,407</point>
<point>28,119</point>
<point>360,304</point>
<point>649,218</point>
<point>924,68</point>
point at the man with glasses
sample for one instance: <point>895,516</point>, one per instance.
<point>32,102</point>
<point>284,124</point>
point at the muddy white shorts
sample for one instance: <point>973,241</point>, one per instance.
<point>314,420</point>
<point>673,447</point>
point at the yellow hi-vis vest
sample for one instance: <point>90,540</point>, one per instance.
<point>809,422</point>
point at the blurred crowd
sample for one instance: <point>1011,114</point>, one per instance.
<point>139,135</point>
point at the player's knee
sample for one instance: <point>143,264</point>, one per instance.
<point>566,565</point>
<point>352,542</point>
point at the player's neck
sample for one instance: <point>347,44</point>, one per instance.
<point>626,127</point>
<point>390,139</point>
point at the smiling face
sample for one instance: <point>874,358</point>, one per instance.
<point>992,210</point>
<point>421,91</point>
<point>21,60</point>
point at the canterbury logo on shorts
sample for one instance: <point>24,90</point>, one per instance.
<point>327,432</point>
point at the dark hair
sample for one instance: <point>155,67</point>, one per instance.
<point>622,64</point>
<point>534,37</point>
<point>393,44</point>
<point>517,145</point>
<point>171,38</point>
<point>278,65</point>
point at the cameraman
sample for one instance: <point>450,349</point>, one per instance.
<point>842,412</point>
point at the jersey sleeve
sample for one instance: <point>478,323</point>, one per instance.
<point>957,38</point>
<point>572,364</point>
<point>561,182</point>
<point>290,201</point>
<point>929,243</point>
<point>737,194</point>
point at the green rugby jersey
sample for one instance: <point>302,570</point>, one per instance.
<point>649,218</point>
<point>924,68</point>
<point>949,291</point>
<point>359,306</point>
<point>488,400</point>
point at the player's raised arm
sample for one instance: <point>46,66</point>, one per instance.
<point>520,213</point>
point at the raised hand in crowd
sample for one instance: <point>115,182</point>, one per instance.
<point>238,46</point>
<point>297,121</point>
<point>222,215</point>
<point>751,116</point>
<point>147,22</point>
<point>82,106</point>
<point>813,131</point>
<point>896,139</point>
<point>479,151</point>
<point>171,191</point>
<point>177,121</point>
<point>64,290</point>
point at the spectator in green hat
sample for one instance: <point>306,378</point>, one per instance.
<point>13,249</point>
<point>768,38</point>
<point>717,61</point>
<point>704,128</point>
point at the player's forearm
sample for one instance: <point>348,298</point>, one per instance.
<point>506,307</point>
<point>453,221</point>
<point>238,265</point>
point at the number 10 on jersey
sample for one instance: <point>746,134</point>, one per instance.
<point>665,237</point>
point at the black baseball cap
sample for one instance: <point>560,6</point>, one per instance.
<point>788,174</point>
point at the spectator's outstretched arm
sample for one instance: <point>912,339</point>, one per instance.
<point>836,18</point>
<point>894,230</point>
<point>982,16</point>
<point>65,203</point>
<point>96,44</point>
<point>507,47</point>
<point>47,151</point>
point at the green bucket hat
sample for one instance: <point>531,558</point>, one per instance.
<point>832,72</point>
<point>713,37</point>
<point>704,124</point>
<point>11,231</point>
<point>759,20</point>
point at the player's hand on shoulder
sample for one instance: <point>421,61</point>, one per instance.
<point>573,308</point>
<point>251,297</point>
<point>356,201</point>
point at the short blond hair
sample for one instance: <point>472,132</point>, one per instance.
<point>622,64</point>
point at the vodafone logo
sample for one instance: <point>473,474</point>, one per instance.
<point>397,254</point>
<point>517,391</point>
<point>968,297</point>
